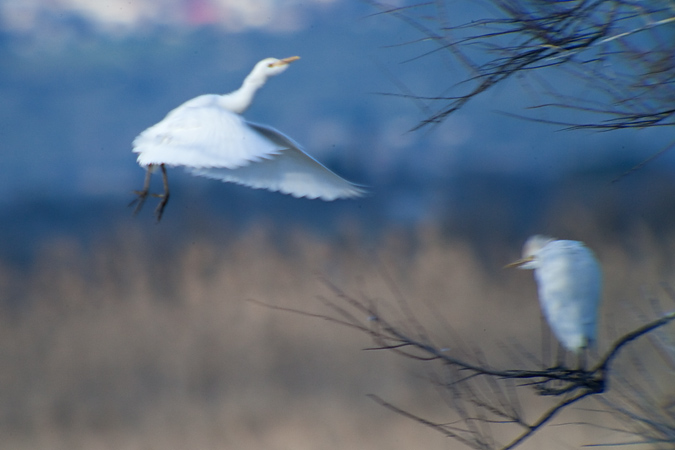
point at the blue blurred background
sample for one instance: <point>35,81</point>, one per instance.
<point>79,80</point>
<point>120,333</point>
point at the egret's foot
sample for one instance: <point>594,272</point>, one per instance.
<point>162,204</point>
<point>165,196</point>
<point>139,201</point>
<point>141,195</point>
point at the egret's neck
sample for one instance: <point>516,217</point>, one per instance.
<point>238,101</point>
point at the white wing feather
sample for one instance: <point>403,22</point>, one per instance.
<point>201,133</point>
<point>569,292</point>
<point>290,171</point>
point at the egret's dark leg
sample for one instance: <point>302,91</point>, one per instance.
<point>165,196</point>
<point>581,358</point>
<point>560,357</point>
<point>142,194</point>
<point>545,342</point>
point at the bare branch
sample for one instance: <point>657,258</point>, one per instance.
<point>621,50</point>
<point>480,394</point>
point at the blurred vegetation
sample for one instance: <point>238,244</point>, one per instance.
<point>141,341</point>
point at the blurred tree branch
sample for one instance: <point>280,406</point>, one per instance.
<point>480,394</point>
<point>620,51</point>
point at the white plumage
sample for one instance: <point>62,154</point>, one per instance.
<point>201,133</point>
<point>208,136</point>
<point>569,282</point>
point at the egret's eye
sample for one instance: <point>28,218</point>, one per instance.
<point>270,65</point>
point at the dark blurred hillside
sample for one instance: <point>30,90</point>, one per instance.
<point>487,210</point>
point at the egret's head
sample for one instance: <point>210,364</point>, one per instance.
<point>530,250</point>
<point>270,67</point>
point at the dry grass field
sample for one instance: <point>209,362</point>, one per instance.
<point>141,343</point>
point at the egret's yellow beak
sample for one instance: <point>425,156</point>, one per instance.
<point>519,262</point>
<point>285,61</point>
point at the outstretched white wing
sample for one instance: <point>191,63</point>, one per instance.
<point>200,133</point>
<point>289,171</point>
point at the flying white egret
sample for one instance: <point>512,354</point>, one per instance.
<point>569,281</point>
<point>208,136</point>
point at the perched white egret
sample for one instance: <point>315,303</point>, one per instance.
<point>208,136</point>
<point>569,281</point>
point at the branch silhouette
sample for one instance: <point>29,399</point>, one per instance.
<point>620,52</point>
<point>470,379</point>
